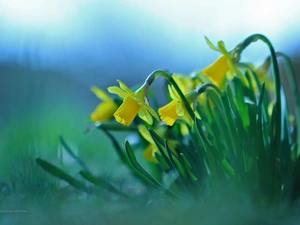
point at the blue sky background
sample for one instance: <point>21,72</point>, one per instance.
<point>91,40</point>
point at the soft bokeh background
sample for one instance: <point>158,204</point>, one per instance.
<point>52,51</point>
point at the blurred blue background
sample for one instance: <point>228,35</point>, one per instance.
<point>89,40</point>
<point>51,51</point>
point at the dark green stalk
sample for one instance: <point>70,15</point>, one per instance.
<point>276,116</point>
<point>200,89</point>
<point>115,127</point>
<point>294,88</point>
<point>276,133</point>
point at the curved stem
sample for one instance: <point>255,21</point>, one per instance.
<point>276,132</point>
<point>157,73</point>
<point>275,135</point>
<point>202,88</point>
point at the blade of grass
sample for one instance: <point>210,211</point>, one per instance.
<point>102,183</point>
<point>71,153</point>
<point>54,170</point>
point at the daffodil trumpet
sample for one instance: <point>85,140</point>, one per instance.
<point>133,104</point>
<point>224,67</point>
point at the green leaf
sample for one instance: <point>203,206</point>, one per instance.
<point>101,183</point>
<point>188,167</point>
<point>162,162</point>
<point>115,127</point>
<point>228,168</point>
<point>68,149</point>
<point>136,164</point>
<point>241,105</point>
<point>60,174</point>
<point>117,147</point>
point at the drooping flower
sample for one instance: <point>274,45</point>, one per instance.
<point>105,110</point>
<point>132,105</point>
<point>151,149</point>
<point>174,109</point>
<point>224,65</point>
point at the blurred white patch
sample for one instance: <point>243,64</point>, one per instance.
<point>36,12</point>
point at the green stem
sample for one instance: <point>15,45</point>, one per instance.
<point>157,73</point>
<point>294,88</point>
<point>200,89</point>
<point>115,127</point>
<point>276,117</point>
<point>276,133</point>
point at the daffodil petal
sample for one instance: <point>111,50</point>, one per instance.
<point>179,109</point>
<point>125,88</point>
<point>149,153</point>
<point>145,115</point>
<point>100,93</point>
<point>173,93</point>
<point>104,111</point>
<point>145,133</point>
<point>211,44</point>
<point>150,110</point>
<point>118,91</point>
<point>223,49</point>
<point>183,83</point>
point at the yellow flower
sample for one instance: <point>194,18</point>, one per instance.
<point>185,83</point>
<point>224,65</point>
<point>262,73</point>
<point>104,111</point>
<point>132,105</point>
<point>149,153</point>
<point>174,109</point>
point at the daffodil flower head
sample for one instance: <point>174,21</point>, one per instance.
<point>174,109</point>
<point>223,66</point>
<point>185,83</point>
<point>133,105</point>
<point>151,149</point>
<point>105,110</point>
<point>149,153</point>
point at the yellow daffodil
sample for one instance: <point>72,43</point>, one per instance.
<point>132,105</point>
<point>149,153</point>
<point>185,83</point>
<point>262,73</point>
<point>224,65</point>
<point>175,109</point>
<point>104,111</point>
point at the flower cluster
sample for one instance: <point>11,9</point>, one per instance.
<point>135,103</point>
<point>184,96</point>
<point>227,125</point>
<point>227,122</point>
